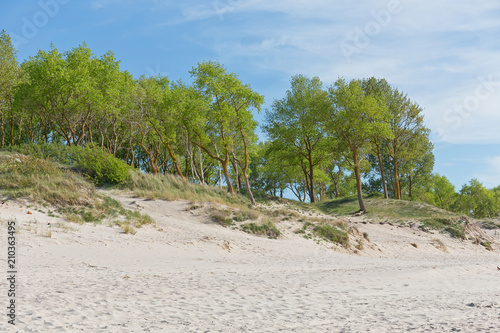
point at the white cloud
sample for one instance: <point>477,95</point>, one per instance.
<point>490,177</point>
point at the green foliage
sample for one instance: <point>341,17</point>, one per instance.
<point>356,118</point>
<point>82,99</point>
<point>98,166</point>
<point>441,192</point>
<point>266,228</point>
<point>477,201</point>
<point>296,133</point>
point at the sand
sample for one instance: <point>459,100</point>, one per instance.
<point>187,274</point>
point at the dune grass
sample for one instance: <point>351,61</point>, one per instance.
<point>46,182</point>
<point>170,187</point>
<point>400,211</point>
<point>264,228</point>
<point>42,180</point>
<point>382,208</point>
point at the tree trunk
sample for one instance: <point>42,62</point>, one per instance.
<point>384,185</point>
<point>3,132</point>
<point>362,207</point>
<point>410,185</point>
<point>247,184</point>
<point>238,180</point>
<point>397,188</point>
<point>312,195</point>
<point>226,174</point>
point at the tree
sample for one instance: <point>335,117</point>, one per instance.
<point>416,167</point>
<point>406,126</point>
<point>71,94</point>
<point>228,117</point>
<point>380,89</point>
<point>441,192</point>
<point>294,126</point>
<point>10,76</point>
<point>476,200</point>
<point>356,118</point>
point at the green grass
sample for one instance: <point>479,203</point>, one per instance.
<point>402,211</point>
<point>490,225</point>
<point>221,216</point>
<point>452,226</point>
<point>381,208</point>
<point>332,234</point>
<point>246,215</point>
<point>265,228</point>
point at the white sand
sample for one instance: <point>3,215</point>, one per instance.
<point>190,275</point>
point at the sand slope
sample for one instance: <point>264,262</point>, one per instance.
<point>190,275</point>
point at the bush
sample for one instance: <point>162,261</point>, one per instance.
<point>95,164</point>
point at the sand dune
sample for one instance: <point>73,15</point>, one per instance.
<point>187,274</point>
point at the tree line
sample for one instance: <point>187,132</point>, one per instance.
<point>352,138</point>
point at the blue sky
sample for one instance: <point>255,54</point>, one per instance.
<point>445,55</point>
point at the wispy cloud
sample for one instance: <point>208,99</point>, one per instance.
<point>490,177</point>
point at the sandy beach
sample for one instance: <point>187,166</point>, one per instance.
<point>188,274</point>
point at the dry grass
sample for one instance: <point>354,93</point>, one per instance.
<point>438,244</point>
<point>169,187</point>
<point>42,180</point>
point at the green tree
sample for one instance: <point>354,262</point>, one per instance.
<point>294,125</point>
<point>356,117</point>
<point>476,200</point>
<point>10,76</point>
<point>406,126</point>
<point>228,117</point>
<point>441,192</point>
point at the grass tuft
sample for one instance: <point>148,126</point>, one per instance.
<point>332,234</point>
<point>266,228</point>
<point>170,187</point>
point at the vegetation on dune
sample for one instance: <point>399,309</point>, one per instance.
<point>332,233</point>
<point>170,187</point>
<point>266,228</point>
<point>46,182</point>
<point>93,163</point>
<point>75,116</point>
<point>42,180</point>
<point>382,208</point>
